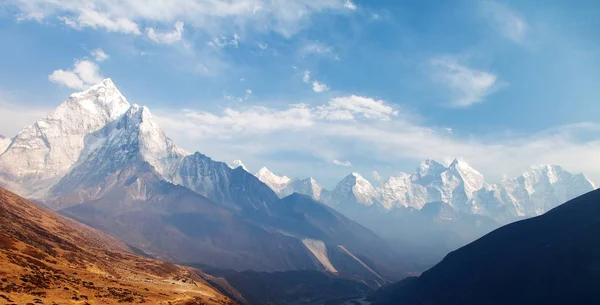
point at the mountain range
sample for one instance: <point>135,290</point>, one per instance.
<point>439,208</point>
<point>107,163</point>
<point>459,185</point>
<point>548,259</point>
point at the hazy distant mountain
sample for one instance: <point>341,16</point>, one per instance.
<point>439,208</point>
<point>549,259</point>
<point>130,180</point>
<point>48,257</point>
<point>276,183</point>
<point>4,143</point>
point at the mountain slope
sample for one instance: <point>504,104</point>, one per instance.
<point>44,256</point>
<point>549,259</point>
<point>114,188</point>
<point>43,152</point>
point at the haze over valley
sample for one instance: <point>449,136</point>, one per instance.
<point>298,152</point>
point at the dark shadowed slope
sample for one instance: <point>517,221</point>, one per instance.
<point>293,287</point>
<point>46,258</point>
<point>550,259</point>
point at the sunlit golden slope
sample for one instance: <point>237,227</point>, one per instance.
<point>46,258</point>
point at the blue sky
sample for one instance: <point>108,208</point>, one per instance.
<point>295,85</point>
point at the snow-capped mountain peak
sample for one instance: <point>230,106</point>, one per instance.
<point>472,180</point>
<point>427,171</point>
<point>43,152</point>
<point>354,188</point>
<point>238,163</point>
<point>307,186</point>
<point>155,147</point>
<point>276,183</point>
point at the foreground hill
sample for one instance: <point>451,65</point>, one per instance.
<point>550,259</point>
<point>46,258</point>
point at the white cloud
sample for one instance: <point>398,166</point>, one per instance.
<point>166,37</point>
<point>342,163</point>
<point>306,77</point>
<point>263,46</point>
<point>88,18</point>
<point>505,20</point>
<point>262,120</point>
<point>349,5</point>
<point>224,41</point>
<point>283,17</point>
<point>319,87</point>
<point>363,128</point>
<point>83,74</point>
<point>353,106</point>
<point>99,55</point>
<point>467,85</point>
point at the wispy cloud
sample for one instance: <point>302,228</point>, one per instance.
<point>317,48</point>
<point>467,85</point>
<point>505,20</point>
<point>361,127</point>
<point>306,77</point>
<point>342,163</point>
<point>224,41</point>
<point>125,16</point>
<point>90,18</point>
<point>166,37</point>
<point>99,55</point>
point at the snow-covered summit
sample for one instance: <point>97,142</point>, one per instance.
<point>307,186</point>
<point>427,171</point>
<point>238,163</point>
<point>276,183</point>
<point>43,152</point>
<point>353,189</point>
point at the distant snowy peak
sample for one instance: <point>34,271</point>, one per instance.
<point>43,152</point>
<point>353,189</point>
<point>427,171</point>
<point>533,193</point>
<point>238,163</point>
<point>276,183</point>
<point>400,191</point>
<point>307,186</point>
<point>471,179</point>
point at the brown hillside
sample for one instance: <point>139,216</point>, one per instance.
<point>46,258</point>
